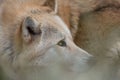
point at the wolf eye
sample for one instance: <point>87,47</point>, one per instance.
<point>62,43</point>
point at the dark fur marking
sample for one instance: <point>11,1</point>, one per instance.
<point>37,11</point>
<point>9,51</point>
<point>101,8</point>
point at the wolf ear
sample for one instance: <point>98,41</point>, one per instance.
<point>30,28</point>
<point>52,4</point>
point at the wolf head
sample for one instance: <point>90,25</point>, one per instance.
<point>41,38</point>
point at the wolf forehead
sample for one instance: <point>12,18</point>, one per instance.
<point>39,11</point>
<point>50,19</point>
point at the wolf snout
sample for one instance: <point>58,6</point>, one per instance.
<point>82,61</point>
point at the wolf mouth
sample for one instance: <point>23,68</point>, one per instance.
<point>108,7</point>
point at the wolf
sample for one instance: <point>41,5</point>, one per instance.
<point>36,43</point>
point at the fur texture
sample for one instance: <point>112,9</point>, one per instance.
<point>94,24</point>
<point>36,44</point>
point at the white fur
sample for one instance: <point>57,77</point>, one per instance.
<point>63,25</point>
<point>56,6</point>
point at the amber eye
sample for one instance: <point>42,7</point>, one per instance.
<point>62,43</point>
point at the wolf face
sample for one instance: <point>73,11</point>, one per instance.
<point>47,34</point>
<point>47,42</point>
<point>39,39</point>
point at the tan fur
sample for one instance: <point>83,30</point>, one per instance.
<point>98,33</point>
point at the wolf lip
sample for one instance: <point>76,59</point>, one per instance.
<point>109,6</point>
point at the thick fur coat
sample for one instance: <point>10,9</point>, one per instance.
<point>94,25</point>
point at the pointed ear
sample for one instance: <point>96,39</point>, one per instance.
<point>30,28</point>
<point>53,4</point>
